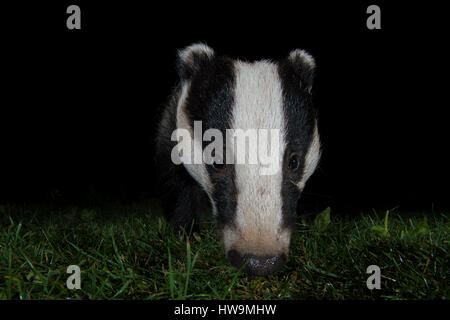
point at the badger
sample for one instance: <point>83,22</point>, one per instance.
<point>255,214</point>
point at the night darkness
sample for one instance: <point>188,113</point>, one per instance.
<point>79,108</point>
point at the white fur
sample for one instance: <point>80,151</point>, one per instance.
<point>311,159</point>
<point>258,105</point>
<point>197,171</point>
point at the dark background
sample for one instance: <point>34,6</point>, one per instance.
<point>79,107</point>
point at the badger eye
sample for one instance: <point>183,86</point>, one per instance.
<point>218,166</point>
<point>293,162</point>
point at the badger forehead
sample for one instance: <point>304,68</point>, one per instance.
<point>258,97</point>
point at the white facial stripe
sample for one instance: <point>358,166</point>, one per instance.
<point>197,171</point>
<point>258,105</point>
<point>311,159</point>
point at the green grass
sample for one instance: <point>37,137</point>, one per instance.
<point>131,253</point>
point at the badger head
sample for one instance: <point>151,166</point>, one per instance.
<point>255,213</point>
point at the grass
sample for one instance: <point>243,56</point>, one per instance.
<point>131,253</point>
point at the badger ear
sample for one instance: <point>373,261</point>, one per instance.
<point>304,66</point>
<point>192,58</point>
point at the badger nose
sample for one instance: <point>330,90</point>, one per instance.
<point>257,265</point>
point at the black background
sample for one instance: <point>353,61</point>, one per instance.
<point>79,107</point>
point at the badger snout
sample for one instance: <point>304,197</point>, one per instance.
<point>258,251</point>
<point>257,265</point>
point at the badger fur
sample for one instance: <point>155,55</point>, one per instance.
<point>255,214</point>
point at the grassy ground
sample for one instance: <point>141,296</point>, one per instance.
<point>131,254</point>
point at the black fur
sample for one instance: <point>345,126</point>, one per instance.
<point>210,100</point>
<point>181,195</point>
<point>197,61</point>
<point>296,80</point>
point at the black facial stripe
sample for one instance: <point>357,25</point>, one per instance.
<point>210,100</point>
<point>300,121</point>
